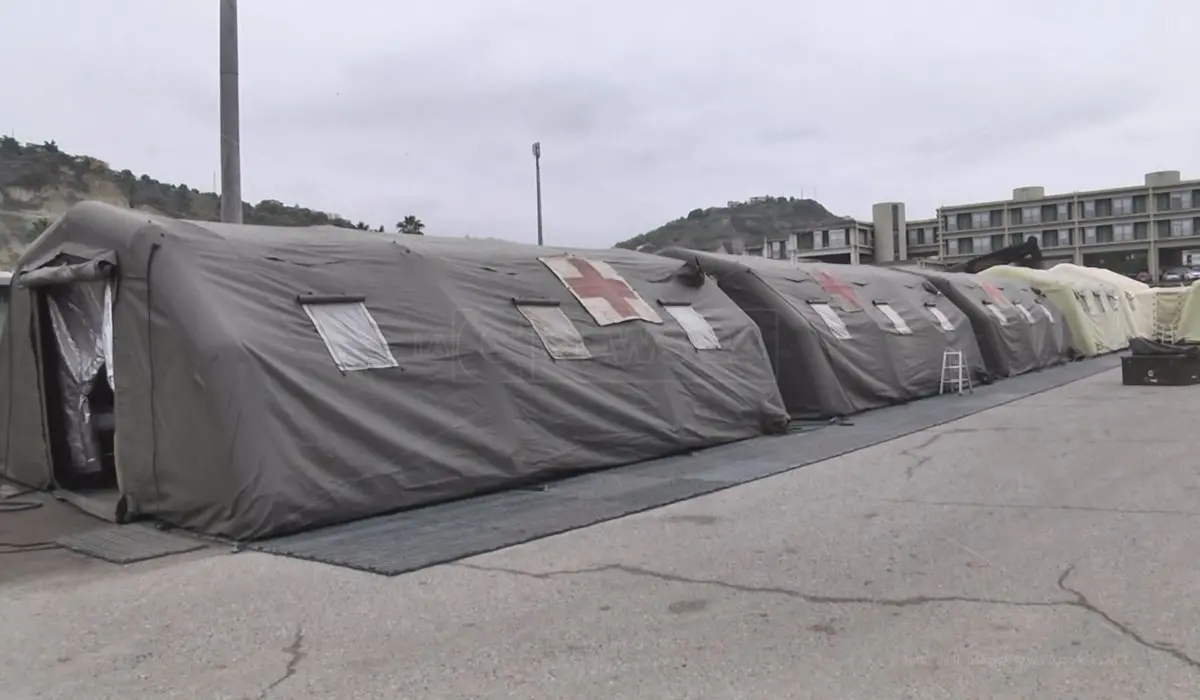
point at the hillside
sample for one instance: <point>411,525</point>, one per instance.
<point>738,223</point>
<point>39,182</point>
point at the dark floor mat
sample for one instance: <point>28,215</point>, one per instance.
<point>126,544</point>
<point>394,544</point>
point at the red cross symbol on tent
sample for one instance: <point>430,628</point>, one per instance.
<point>835,287</point>
<point>601,290</point>
<point>994,292</point>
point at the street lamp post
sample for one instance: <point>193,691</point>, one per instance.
<point>231,158</point>
<point>537,170</point>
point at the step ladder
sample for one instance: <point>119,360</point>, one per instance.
<point>956,377</point>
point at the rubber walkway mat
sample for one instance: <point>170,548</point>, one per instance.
<point>126,544</point>
<point>394,544</point>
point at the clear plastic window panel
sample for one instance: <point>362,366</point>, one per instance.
<point>898,323</point>
<point>998,313</point>
<point>1046,312</point>
<point>698,329</point>
<point>832,321</point>
<point>1087,308</point>
<point>351,335</point>
<point>1100,302</point>
<point>941,318</point>
<point>1025,312</point>
<point>559,336</point>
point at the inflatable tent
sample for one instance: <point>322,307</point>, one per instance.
<point>844,338</point>
<point>1134,299</point>
<point>1017,329</point>
<point>1095,324</point>
<point>267,380</point>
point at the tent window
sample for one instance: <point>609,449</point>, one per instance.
<point>1100,302</point>
<point>559,336</point>
<point>351,335</point>
<point>832,321</point>
<point>1132,301</point>
<point>1087,308</point>
<point>1025,312</point>
<point>698,329</point>
<point>898,323</point>
<point>1046,312</point>
<point>997,312</point>
<point>941,318</point>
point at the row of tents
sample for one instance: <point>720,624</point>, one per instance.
<point>247,382</point>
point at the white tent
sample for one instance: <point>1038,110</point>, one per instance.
<point>1096,324</point>
<point>1134,299</point>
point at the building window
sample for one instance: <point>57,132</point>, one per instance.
<point>699,332</point>
<point>981,219</point>
<point>1064,236</point>
<point>997,242</point>
<point>1141,230</point>
<point>833,322</point>
<point>951,246</point>
<point>1122,232</point>
<point>950,223</point>
<point>1089,209</point>
<point>1181,227</point>
<point>351,334</point>
<point>1064,211</point>
<point>1122,206</point>
<point>1031,215</point>
<point>1140,202</point>
<point>1089,234</point>
<point>558,335</point>
<point>1104,234</point>
<point>1049,239</point>
<point>983,244</point>
<point>837,238</point>
<point>1181,200</point>
<point>966,246</point>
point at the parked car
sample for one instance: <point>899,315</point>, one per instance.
<point>1174,275</point>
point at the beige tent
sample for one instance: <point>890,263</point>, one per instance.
<point>1096,324</point>
<point>1135,300</point>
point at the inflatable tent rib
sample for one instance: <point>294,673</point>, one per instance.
<point>1096,324</point>
<point>268,380</point>
<point>1018,331</point>
<point>844,338</point>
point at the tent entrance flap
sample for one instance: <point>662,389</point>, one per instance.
<point>80,325</point>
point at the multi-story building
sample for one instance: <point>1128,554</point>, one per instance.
<point>842,241</point>
<point>857,242</point>
<point>1141,228</point>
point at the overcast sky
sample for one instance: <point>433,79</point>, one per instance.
<point>646,109</point>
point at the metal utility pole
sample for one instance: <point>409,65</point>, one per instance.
<point>231,157</point>
<point>537,169</point>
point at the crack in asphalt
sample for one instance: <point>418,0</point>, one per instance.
<point>922,460</point>
<point>1081,601</point>
<point>296,654</point>
<point>1078,600</point>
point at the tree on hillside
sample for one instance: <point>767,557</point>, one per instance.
<point>411,225</point>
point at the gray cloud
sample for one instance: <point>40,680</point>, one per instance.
<point>645,109</point>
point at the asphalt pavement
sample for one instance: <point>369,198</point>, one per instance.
<point>1042,549</point>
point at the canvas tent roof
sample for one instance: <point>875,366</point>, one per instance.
<point>1090,308</point>
<point>272,379</point>
<point>1018,331</point>
<point>844,338</point>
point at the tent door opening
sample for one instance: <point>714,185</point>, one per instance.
<point>76,352</point>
